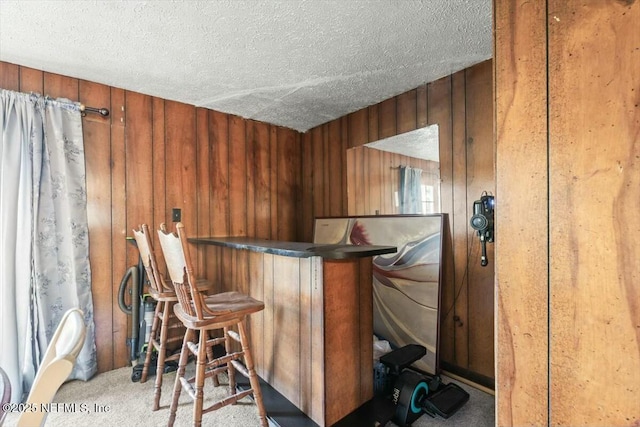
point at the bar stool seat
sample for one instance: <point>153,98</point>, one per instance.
<point>226,306</point>
<point>203,314</point>
<point>162,291</point>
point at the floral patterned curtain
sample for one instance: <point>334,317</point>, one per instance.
<point>44,259</point>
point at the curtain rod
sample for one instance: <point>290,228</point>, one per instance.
<point>102,111</point>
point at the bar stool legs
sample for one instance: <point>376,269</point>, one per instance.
<point>154,330</point>
<point>160,319</point>
<point>231,372</point>
<point>205,367</point>
<point>182,366</point>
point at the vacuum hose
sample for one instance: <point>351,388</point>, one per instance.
<point>133,274</point>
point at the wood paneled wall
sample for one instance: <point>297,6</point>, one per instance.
<point>461,105</point>
<point>228,175</point>
<point>568,186</point>
<point>232,176</point>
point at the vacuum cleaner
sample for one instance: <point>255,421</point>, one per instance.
<point>141,309</point>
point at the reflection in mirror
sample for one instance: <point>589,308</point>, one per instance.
<point>395,175</point>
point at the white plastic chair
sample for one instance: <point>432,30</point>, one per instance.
<point>56,366</point>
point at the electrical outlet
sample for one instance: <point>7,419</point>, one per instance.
<point>176,215</point>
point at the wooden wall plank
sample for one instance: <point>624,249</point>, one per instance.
<point>269,315</point>
<point>121,325</point>
<point>406,115</point>
<point>9,76</point>
<point>439,104</point>
<point>594,183</point>
<point>317,156</point>
<point>307,188</point>
<point>97,147</point>
<point>159,176</point>
<point>180,149</point>
<point>219,140</point>
<point>463,239</point>
<point>250,176</point>
<point>286,314</point>
<point>440,114</point>
<point>365,189</point>
<point>306,400</point>
<point>387,118</point>
<point>237,177</point>
<point>521,192</point>
<point>288,183</point>
<point>274,148</point>
<point>203,184</point>
<point>388,194</point>
<point>57,86</point>
<point>334,168</point>
<point>31,80</point>
<point>256,320</point>
<point>358,128</point>
<point>422,106</point>
<point>376,184</point>
<point>138,166</point>
<point>372,122</point>
<point>317,339</point>
<point>359,179</point>
<point>325,169</point>
<point>480,178</point>
<point>396,162</point>
<point>344,141</point>
<point>262,183</point>
<point>351,181</point>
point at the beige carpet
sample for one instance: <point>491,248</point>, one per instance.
<point>130,404</point>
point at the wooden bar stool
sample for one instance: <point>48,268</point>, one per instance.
<point>164,320</point>
<point>219,311</point>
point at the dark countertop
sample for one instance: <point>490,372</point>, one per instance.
<point>295,249</point>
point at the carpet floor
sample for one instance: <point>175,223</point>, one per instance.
<point>111,399</point>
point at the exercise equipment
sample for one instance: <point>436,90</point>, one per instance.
<point>414,393</point>
<point>404,394</point>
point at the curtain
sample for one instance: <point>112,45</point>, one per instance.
<point>410,190</point>
<point>44,259</point>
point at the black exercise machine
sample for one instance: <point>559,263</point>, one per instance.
<point>408,395</point>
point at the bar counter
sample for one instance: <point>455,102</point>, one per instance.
<point>295,249</point>
<point>313,342</point>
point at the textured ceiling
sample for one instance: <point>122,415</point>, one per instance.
<point>422,143</point>
<point>292,63</point>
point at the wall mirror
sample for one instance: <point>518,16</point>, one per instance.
<point>379,175</point>
<point>395,175</point>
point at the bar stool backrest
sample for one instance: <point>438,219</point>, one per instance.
<point>143,241</point>
<point>176,255</point>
